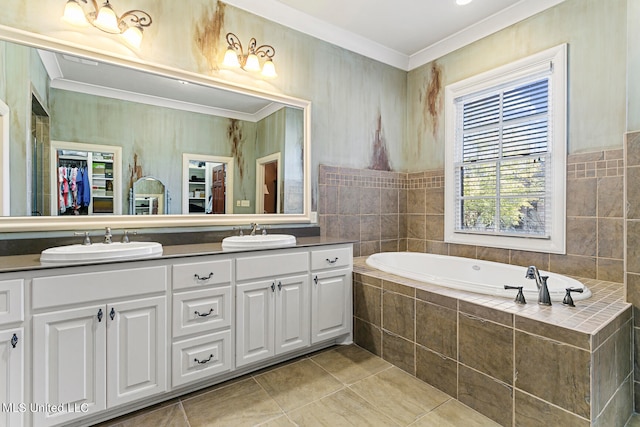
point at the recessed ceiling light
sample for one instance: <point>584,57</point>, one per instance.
<point>463,2</point>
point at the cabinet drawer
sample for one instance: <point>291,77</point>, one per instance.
<point>330,258</point>
<point>201,357</point>
<point>201,310</point>
<point>66,289</point>
<point>11,301</point>
<point>255,267</point>
<point>201,274</point>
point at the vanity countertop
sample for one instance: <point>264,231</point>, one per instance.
<point>13,263</point>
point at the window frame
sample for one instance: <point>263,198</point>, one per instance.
<point>555,59</point>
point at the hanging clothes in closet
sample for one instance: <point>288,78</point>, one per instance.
<point>74,193</point>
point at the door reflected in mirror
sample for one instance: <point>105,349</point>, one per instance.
<point>207,184</point>
<point>148,196</point>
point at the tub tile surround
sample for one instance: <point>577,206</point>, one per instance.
<point>389,211</point>
<point>518,365</point>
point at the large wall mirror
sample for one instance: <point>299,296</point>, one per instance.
<point>119,121</point>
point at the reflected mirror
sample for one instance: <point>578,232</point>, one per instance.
<point>148,196</point>
<point>83,111</point>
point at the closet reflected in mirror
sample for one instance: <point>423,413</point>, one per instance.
<point>207,184</point>
<point>85,179</point>
<point>148,196</point>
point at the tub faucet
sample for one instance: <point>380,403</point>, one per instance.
<point>107,235</point>
<point>541,282</point>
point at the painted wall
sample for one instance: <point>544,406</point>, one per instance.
<point>359,105</point>
<point>596,32</point>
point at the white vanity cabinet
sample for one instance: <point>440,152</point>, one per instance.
<point>272,305</point>
<point>12,344</point>
<point>202,316</point>
<point>99,341</point>
<point>331,295</point>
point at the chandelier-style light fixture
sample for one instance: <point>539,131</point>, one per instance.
<point>129,25</point>
<point>236,57</point>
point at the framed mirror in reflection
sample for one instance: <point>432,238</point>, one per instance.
<point>114,122</point>
<point>148,196</point>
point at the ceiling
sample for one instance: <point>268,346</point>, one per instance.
<point>402,33</point>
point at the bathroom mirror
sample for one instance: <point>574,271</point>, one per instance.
<point>155,116</point>
<point>148,196</point>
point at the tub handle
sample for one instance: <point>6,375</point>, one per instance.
<point>567,298</point>
<point>519,296</point>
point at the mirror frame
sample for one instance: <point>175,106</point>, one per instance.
<point>57,223</point>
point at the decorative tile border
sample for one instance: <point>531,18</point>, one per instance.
<point>595,165</point>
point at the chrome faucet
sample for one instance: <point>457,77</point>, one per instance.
<point>107,235</point>
<point>541,282</point>
<point>254,227</point>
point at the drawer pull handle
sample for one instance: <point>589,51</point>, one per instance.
<point>315,280</point>
<point>279,286</point>
<point>14,341</point>
<point>332,261</point>
<point>202,279</point>
<point>100,314</point>
<point>273,287</point>
<point>204,314</point>
<point>112,313</point>
<point>202,362</point>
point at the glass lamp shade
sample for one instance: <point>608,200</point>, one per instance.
<point>133,36</point>
<point>106,19</point>
<point>74,15</point>
<point>252,64</point>
<point>231,59</point>
<point>269,69</point>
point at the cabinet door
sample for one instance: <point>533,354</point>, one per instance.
<point>69,359</point>
<point>12,399</point>
<point>255,303</point>
<point>292,313</point>
<point>330,304</point>
<point>137,349</point>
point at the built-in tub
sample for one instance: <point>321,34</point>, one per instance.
<point>466,274</point>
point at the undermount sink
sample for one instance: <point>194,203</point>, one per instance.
<point>101,252</point>
<point>259,241</point>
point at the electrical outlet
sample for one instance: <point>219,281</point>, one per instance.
<point>237,202</point>
<point>245,203</point>
<point>314,217</point>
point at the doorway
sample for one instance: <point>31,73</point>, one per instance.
<point>4,159</point>
<point>268,184</point>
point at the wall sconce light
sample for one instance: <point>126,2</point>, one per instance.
<point>129,25</point>
<point>235,57</point>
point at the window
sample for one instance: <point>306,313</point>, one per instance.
<point>506,156</point>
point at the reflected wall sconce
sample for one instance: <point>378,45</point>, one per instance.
<point>129,25</point>
<point>236,57</point>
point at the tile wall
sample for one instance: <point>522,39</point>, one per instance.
<point>388,211</point>
<point>632,155</point>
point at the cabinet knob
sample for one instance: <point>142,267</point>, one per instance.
<point>112,313</point>
<point>14,341</point>
<point>279,286</point>
<point>100,314</point>
<point>315,280</point>
<point>203,361</point>
<point>273,287</point>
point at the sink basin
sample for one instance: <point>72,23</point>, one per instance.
<point>101,252</point>
<point>261,241</point>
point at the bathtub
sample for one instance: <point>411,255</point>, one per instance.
<point>466,274</point>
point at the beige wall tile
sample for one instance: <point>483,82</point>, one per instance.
<point>487,396</point>
<point>370,201</point>
<point>389,201</point>
<point>526,258</point>
<point>633,192</point>
<point>369,248</point>
<point>611,238</point>
<point>633,246</point>
<point>543,383</point>
<point>389,246</point>
<point>493,254</point>
<point>435,201</point>
<point>611,270</point>
<point>573,265</point>
<point>416,201</point>
<point>433,247</point>
<point>437,370</point>
<point>389,226</point>
<point>437,328</point>
<point>532,412</point>
<point>486,313</point>
<point>367,303</point>
<point>495,340</point>
<point>416,226</point>
<point>434,227</point>
<point>632,142</point>
<point>349,200</point>
<point>398,351</point>
<point>349,227</point>
<point>465,251</point>
<point>398,314</point>
<point>582,197</point>
<point>369,227</point>
<point>582,235</point>
<point>368,336</point>
<point>554,332</point>
<point>617,411</point>
<point>611,197</point>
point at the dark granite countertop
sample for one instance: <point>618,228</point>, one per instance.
<point>14,263</point>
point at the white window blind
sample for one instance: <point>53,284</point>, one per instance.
<point>503,163</point>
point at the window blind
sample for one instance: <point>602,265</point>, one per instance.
<point>502,165</point>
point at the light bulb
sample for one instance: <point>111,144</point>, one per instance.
<point>231,59</point>
<point>252,64</point>
<point>133,36</point>
<point>74,15</point>
<point>269,69</point>
<point>106,19</point>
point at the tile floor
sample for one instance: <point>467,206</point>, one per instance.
<point>341,386</point>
